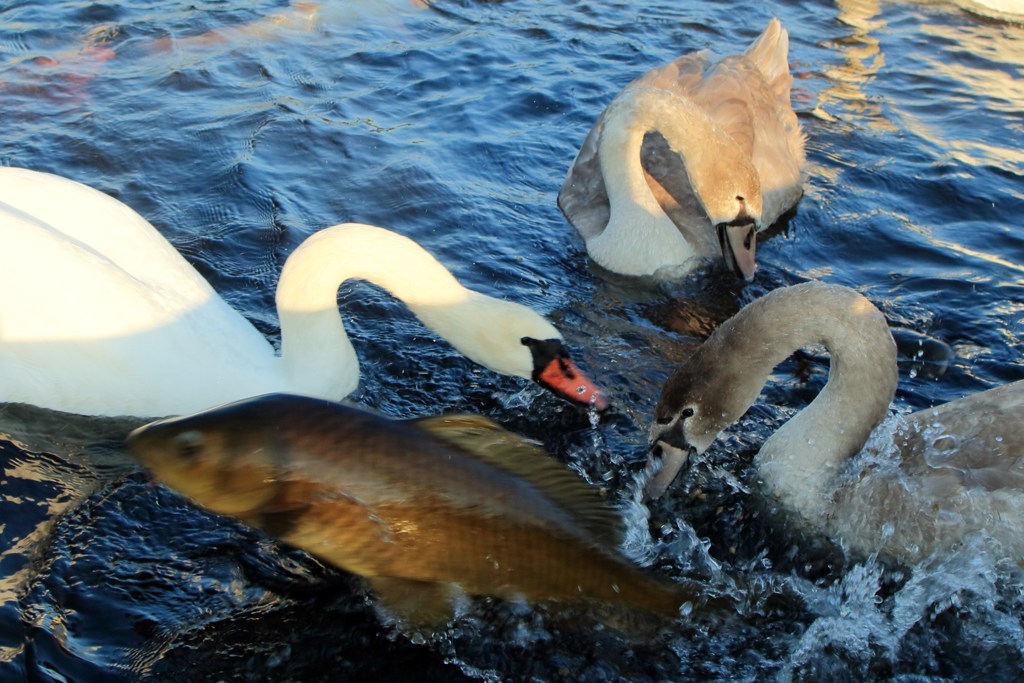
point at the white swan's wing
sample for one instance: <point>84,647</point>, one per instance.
<point>66,288</point>
<point>81,333</point>
<point>980,438</point>
<point>106,225</point>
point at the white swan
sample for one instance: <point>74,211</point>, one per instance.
<point>939,474</point>
<point>688,150</point>
<point>100,315</point>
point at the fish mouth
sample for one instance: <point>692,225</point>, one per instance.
<point>738,240</point>
<point>138,443</point>
<point>672,460</point>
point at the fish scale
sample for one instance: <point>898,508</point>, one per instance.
<point>417,506</point>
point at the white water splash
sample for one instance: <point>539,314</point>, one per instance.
<point>861,620</point>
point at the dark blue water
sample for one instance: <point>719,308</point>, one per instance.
<point>455,125</point>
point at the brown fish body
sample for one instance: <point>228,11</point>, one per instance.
<point>431,502</point>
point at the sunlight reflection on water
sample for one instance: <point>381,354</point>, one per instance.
<point>239,129</point>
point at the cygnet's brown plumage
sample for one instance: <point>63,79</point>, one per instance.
<point>689,161</point>
<point>942,473</point>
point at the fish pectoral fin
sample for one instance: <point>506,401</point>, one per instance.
<point>420,604</point>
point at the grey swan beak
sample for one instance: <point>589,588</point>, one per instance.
<point>739,247</point>
<point>673,460</point>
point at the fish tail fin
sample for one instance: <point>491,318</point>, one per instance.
<point>744,596</point>
<point>682,598</point>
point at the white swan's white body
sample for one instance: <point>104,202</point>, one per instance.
<point>101,315</point>
<point>687,149</point>
<point>935,476</point>
<point>997,9</point>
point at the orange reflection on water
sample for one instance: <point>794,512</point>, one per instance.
<point>862,60</point>
<point>988,68</point>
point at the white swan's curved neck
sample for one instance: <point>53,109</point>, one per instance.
<point>315,349</point>
<point>638,228</point>
<point>800,460</point>
<point>316,352</point>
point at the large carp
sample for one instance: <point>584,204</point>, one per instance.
<point>415,506</point>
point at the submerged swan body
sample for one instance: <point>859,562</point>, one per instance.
<point>689,161</point>
<point>939,474</point>
<point>102,316</point>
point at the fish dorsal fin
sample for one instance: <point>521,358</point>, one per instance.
<point>489,442</point>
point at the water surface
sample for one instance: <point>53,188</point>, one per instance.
<point>239,129</point>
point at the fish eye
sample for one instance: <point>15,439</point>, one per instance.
<point>687,412</point>
<point>189,445</point>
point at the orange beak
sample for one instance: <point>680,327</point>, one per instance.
<point>563,378</point>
